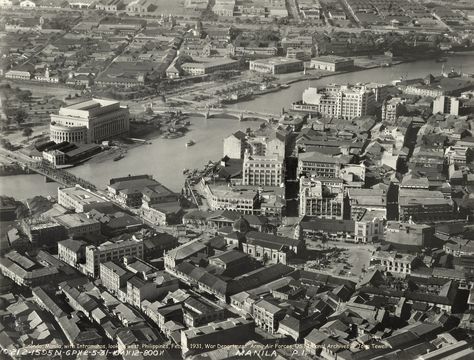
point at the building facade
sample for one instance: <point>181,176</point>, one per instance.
<point>341,101</point>
<point>90,121</point>
<point>320,200</point>
<point>263,170</point>
<point>332,63</point>
<point>110,251</point>
<point>278,65</point>
<point>79,199</point>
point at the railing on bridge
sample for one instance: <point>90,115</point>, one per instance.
<point>61,176</point>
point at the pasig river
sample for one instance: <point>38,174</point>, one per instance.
<point>165,159</point>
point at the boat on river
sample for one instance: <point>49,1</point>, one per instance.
<point>190,143</point>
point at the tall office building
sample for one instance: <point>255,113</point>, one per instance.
<point>321,201</point>
<point>341,101</point>
<point>110,251</point>
<point>263,170</point>
<point>89,121</point>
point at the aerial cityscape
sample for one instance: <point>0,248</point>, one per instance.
<point>227,179</point>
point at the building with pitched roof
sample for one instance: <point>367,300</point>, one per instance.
<point>271,248</point>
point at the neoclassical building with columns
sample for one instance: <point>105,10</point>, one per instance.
<point>90,121</point>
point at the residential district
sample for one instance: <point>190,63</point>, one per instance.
<point>342,228</point>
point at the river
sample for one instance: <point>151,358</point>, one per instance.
<point>273,102</point>
<point>165,159</point>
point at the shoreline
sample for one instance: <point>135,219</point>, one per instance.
<point>314,77</point>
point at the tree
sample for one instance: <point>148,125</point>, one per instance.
<point>24,95</point>
<point>4,143</point>
<point>20,116</point>
<point>27,132</point>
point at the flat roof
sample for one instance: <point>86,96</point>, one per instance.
<point>73,220</point>
<point>82,195</point>
<point>277,61</point>
<point>91,104</point>
<point>334,59</point>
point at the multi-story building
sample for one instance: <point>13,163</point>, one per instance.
<point>90,121</point>
<point>43,232</point>
<point>134,190</point>
<point>72,252</point>
<point>363,200</point>
<point>18,75</point>
<point>200,311</point>
<point>231,198</point>
<point>446,105</point>
<point>267,315</point>
<point>197,69</point>
<point>320,165</point>
<point>263,170</point>
<point>392,109</point>
<point>271,248</point>
<point>370,227</point>
<point>110,251</point>
<point>273,143</point>
<point>110,5</point>
<point>139,289</point>
<point>332,63</point>
<point>309,9</point>
<point>395,263</point>
<point>439,86</point>
<point>79,199</point>
<point>326,229</point>
<point>224,8</point>
<point>342,101</point>
<point>234,145</point>
<point>268,143</point>
<point>277,65</point>
<point>113,276</point>
<point>78,224</point>
<point>24,271</point>
<point>55,157</point>
<point>424,206</point>
<point>409,234</point>
<point>268,51</point>
<point>320,200</point>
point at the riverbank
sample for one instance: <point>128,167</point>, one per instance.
<point>312,75</point>
<point>324,74</point>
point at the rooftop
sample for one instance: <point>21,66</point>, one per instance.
<point>81,195</point>
<point>331,59</point>
<point>75,220</point>
<point>277,61</point>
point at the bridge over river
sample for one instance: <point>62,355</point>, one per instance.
<point>60,176</point>
<point>207,113</point>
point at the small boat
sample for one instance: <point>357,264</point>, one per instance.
<point>190,143</point>
<point>119,157</point>
<point>386,65</point>
<point>284,86</point>
<point>441,60</point>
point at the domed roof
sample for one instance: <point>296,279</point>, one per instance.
<point>241,225</point>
